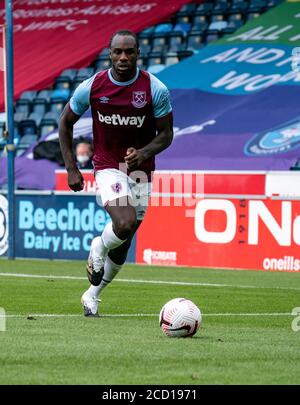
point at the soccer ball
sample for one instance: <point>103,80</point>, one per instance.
<point>180,318</point>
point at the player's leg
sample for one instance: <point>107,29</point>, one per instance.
<point>113,264</point>
<point>116,197</point>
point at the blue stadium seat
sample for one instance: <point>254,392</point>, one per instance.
<point>212,36</point>
<point>217,17</point>
<point>147,31</point>
<point>189,8</point>
<point>159,42</point>
<point>105,52</point>
<point>195,41</point>
<point>40,106</point>
<point>30,125</point>
<point>204,8</point>
<point>103,63</point>
<point>84,73</point>
<point>58,99</point>
<point>257,6</point>
<point>49,123</point>
<point>163,28</point>
<point>23,105</point>
<point>239,7</point>
<point>217,25</point>
<point>28,95</point>
<point>183,27</point>
<point>171,58</point>
<point>233,25</point>
<point>65,79</point>
<point>156,58</point>
<point>176,41</point>
<point>183,18</point>
<point>220,8</point>
<point>44,95</point>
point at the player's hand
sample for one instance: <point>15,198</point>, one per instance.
<point>75,179</point>
<point>133,158</point>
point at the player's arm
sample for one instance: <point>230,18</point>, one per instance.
<point>163,139</point>
<point>78,104</point>
<point>66,123</point>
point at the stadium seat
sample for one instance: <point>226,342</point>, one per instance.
<point>159,42</point>
<point>204,9</point>
<point>65,79</point>
<point>102,63</point>
<point>163,28</point>
<point>239,7</point>
<point>148,31</point>
<point>49,123</point>
<point>23,105</point>
<point>171,58</point>
<point>183,27</point>
<point>217,25</point>
<point>28,95</point>
<point>40,105</point>
<point>44,95</point>
<point>257,6</point>
<point>104,52</point>
<point>218,17</point>
<point>212,36</point>
<point>84,73</point>
<point>183,19</point>
<point>176,41</point>
<point>156,58</point>
<point>189,8</point>
<point>58,99</point>
<point>220,8</point>
<point>70,73</point>
<point>30,125</point>
<point>195,41</point>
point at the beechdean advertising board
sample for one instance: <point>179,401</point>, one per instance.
<point>54,226</point>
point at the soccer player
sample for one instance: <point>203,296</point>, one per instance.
<point>132,122</point>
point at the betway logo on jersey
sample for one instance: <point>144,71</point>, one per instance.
<point>117,119</point>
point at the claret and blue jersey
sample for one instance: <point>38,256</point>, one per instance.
<point>123,114</point>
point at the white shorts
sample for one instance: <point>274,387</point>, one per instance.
<point>113,184</point>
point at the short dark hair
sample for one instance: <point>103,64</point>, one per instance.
<point>125,32</point>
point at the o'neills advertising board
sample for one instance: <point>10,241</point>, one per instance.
<point>256,234</point>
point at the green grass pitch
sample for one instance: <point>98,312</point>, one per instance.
<point>246,335</point>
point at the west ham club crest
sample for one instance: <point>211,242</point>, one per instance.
<point>139,99</point>
<point>117,187</point>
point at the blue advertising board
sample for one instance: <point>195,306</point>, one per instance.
<point>55,226</point>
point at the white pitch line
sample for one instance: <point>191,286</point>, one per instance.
<point>125,280</point>
<point>259,314</point>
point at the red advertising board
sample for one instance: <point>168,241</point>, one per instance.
<point>260,234</point>
<point>237,183</point>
